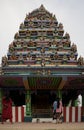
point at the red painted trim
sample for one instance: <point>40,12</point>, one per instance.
<point>70,114</point>
<point>16,114</point>
<point>64,113</point>
<point>22,114</point>
<point>82,111</point>
<point>76,114</point>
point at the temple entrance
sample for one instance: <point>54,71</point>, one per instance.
<point>42,101</point>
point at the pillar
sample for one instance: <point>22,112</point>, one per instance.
<point>28,117</point>
<point>59,94</point>
<point>75,102</point>
<point>0,101</point>
<point>83,100</point>
<point>62,83</point>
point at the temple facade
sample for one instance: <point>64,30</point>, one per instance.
<point>41,64</point>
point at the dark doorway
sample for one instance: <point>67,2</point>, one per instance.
<point>42,101</point>
<point>18,97</point>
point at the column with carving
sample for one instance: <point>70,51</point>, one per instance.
<point>28,117</point>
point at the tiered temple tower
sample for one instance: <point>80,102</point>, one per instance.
<point>41,42</point>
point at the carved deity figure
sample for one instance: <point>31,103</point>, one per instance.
<point>81,61</point>
<point>65,57</point>
<point>20,56</point>
<point>60,25</point>
<point>11,48</point>
<point>4,61</point>
<point>72,57</point>
<point>56,56</point>
<point>29,57</point>
<point>21,26</point>
<point>13,57</point>
<point>31,23</point>
<point>16,36</point>
<point>67,43</point>
<point>42,50</point>
<point>54,43</point>
<point>67,36</point>
<point>74,47</point>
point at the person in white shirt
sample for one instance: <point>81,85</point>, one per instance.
<point>79,100</point>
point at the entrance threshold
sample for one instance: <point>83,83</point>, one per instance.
<point>43,120</point>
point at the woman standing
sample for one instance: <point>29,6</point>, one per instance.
<point>59,110</point>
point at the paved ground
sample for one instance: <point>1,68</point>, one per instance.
<point>42,126</point>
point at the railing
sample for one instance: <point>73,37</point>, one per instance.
<point>18,114</point>
<point>73,114</point>
<point>70,114</point>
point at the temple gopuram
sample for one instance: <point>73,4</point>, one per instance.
<point>41,64</point>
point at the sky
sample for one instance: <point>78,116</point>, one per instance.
<point>69,12</point>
